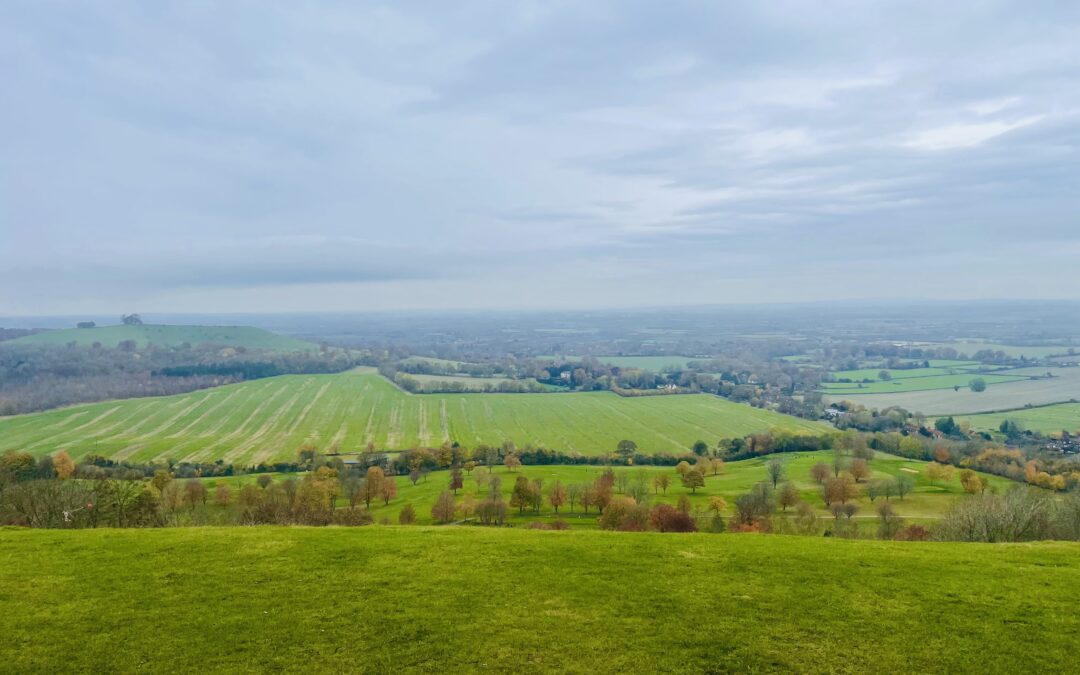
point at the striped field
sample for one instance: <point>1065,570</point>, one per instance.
<point>268,419</point>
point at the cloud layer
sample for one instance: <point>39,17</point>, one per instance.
<point>244,156</point>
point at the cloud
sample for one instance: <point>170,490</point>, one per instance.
<point>297,157</point>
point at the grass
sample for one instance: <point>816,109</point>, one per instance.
<point>1051,419</point>
<point>651,363</point>
<point>1063,387</point>
<point>269,419</point>
<point>1016,351</point>
<point>473,383</point>
<point>916,383</point>
<point>904,373</point>
<point>110,336</point>
<point>422,599</point>
<point>926,503</point>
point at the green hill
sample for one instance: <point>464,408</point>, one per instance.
<point>269,419</point>
<point>110,336</point>
<point>454,599</point>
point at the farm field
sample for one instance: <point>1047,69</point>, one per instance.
<point>110,336</point>
<point>268,419</point>
<point>420,599</point>
<point>916,383</point>
<point>905,373</point>
<point>999,397</point>
<point>653,363</point>
<point>1052,419</point>
<point>926,503</point>
<point>474,383</point>
<point>970,348</point>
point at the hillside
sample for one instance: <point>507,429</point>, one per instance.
<point>269,419</point>
<point>392,599</point>
<point>167,335</point>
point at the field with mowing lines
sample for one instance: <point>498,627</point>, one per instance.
<point>507,600</point>
<point>1051,419</point>
<point>916,383</point>
<point>999,397</point>
<point>268,419</point>
<point>110,336</point>
<point>927,503</point>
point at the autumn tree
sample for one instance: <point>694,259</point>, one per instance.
<point>456,480</point>
<point>467,507</point>
<point>63,465</point>
<point>661,482</point>
<point>557,496</point>
<point>889,523</point>
<point>519,497</point>
<point>775,471</point>
<point>512,462</point>
<point>682,467</point>
<point>819,472</point>
<point>693,479</point>
<point>222,494</point>
<point>904,485</point>
<point>859,470</point>
<point>443,511</point>
<point>389,490</point>
<point>788,495</point>
<point>407,515</point>
<point>373,484</point>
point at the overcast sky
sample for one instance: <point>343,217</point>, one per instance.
<point>254,156</point>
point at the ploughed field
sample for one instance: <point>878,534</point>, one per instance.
<point>454,599</point>
<point>266,420</point>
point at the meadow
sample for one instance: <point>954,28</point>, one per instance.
<point>926,503</point>
<point>915,383</point>
<point>451,599</point>
<point>1065,386</point>
<point>652,363</point>
<point>1051,419</point>
<point>164,335</point>
<point>268,419</point>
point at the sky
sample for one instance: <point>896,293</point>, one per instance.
<point>253,156</point>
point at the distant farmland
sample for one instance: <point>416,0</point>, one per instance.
<point>268,419</point>
<point>163,335</point>
<point>999,397</point>
<point>653,363</point>
<point>1049,419</point>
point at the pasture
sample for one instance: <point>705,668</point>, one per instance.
<point>164,335</point>
<point>452,599</point>
<point>916,383</point>
<point>1063,387</point>
<point>266,420</point>
<point>927,502</point>
<point>1051,419</point>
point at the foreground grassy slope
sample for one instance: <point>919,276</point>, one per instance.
<point>164,335</point>
<point>466,599</point>
<point>269,419</point>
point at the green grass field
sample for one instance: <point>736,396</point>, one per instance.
<point>473,383</point>
<point>268,419</point>
<point>110,336</point>
<point>452,599</point>
<point>916,383</point>
<point>1052,419</point>
<point>926,503</point>
<point>905,373</point>
<point>998,397</point>
<point>652,363</point>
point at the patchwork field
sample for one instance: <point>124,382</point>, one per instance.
<point>268,419</point>
<point>1065,386</point>
<point>1050,419</point>
<point>452,599</point>
<point>926,503</point>
<point>110,336</point>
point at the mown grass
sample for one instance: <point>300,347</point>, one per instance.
<point>393,599</point>
<point>166,335</point>
<point>269,419</point>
